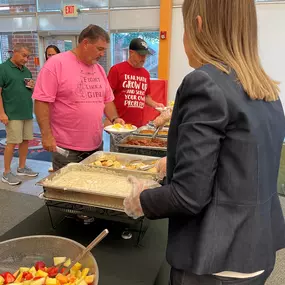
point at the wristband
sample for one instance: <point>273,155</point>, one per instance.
<point>113,120</point>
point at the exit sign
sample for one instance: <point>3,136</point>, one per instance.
<point>70,11</point>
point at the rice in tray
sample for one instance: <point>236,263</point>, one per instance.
<point>83,178</point>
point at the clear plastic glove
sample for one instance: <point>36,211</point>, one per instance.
<point>163,118</point>
<point>159,105</point>
<point>161,167</point>
<point>132,204</point>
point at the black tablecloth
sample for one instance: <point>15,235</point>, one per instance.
<point>120,261</point>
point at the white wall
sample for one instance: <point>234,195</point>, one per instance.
<point>271,21</point>
<point>18,24</point>
<point>134,19</point>
<point>178,61</point>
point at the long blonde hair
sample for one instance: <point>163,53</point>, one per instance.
<point>228,40</point>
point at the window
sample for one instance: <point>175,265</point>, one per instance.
<point>55,5</point>
<point>120,48</point>
<point>7,40</point>
<point>133,3</point>
<point>17,6</point>
<point>5,46</point>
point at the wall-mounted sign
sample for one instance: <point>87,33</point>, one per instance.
<point>70,11</point>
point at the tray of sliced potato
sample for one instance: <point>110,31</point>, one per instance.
<point>148,131</point>
<point>123,161</point>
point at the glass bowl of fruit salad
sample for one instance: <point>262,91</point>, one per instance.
<point>40,260</point>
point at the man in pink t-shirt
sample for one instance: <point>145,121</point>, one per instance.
<point>72,94</point>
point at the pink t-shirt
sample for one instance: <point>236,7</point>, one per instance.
<point>77,94</point>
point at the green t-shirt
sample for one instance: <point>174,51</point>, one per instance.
<point>17,98</point>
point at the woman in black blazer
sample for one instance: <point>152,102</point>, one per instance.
<point>224,145</point>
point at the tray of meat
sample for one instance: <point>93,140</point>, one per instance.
<point>143,145</point>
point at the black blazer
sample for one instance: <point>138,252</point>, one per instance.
<point>222,165</point>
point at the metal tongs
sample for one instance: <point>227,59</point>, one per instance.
<point>155,133</point>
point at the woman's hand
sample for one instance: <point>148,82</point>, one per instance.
<point>162,119</point>
<point>161,167</point>
<point>132,204</point>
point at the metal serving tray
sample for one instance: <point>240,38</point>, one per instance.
<point>147,127</point>
<point>151,124</point>
<point>123,158</point>
<point>45,182</point>
<point>89,200</point>
<point>113,201</point>
<point>123,146</point>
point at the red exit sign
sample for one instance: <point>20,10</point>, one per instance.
<point>70,11</point>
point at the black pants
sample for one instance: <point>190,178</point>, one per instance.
<point>59,161</point>
<point>180,277</point>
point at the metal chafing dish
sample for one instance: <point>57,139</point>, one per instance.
<point>151,124</point>
<point>124,159</point>
<point>138,132</point>
<point>123,146</point>
<point>82,196</point>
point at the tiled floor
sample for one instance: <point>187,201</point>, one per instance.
<point>28,185</point>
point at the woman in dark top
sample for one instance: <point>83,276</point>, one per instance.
<point>224,145</point>
<point>51,50</point>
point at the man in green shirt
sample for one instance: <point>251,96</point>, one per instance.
<point>16,111</point>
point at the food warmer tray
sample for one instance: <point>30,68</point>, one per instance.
<point>151,124</point>
<point>123,158</point>
<point>147,127</point>
<point>85,197</point>
<point>142,150</point>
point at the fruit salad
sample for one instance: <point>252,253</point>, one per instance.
<point>40,274</point>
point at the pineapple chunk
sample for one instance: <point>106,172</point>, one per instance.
<point>19,278</point>
<point>33,270</point>
<point>82,282</point>
<point>77,266</point>
<point>41,273</point>
<point>51,281</point>
<point>58,260</point>
<point>24,269</point>
<point>89,279</point>
<point>38,282</point>
<point>78,274</point>
<point>2,280</point>
<point>27,282</point>
<point>67,262</point>
<point>84,273</point>
<point>72,272</point>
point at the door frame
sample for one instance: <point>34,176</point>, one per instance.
<point>42,44</point>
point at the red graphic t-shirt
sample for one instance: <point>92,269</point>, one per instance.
<point>130,86</point>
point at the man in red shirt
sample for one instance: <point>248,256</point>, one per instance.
<point>130,82</point>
